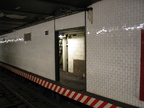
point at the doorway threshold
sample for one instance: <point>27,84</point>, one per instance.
<point>73,81</point>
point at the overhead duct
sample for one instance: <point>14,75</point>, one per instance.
<point>14,16</point>
<point>1,14</point>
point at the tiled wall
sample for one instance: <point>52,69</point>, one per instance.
<point>37,55</point>
<point>76,50</point>
<point>113,50</point>
<point>71,21</point>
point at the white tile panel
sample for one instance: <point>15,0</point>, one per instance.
<point>113,53</point>
<point>71,21</point>
<point>36,56</point>
<point>76,49</point>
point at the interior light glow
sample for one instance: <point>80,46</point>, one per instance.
<point>62,35</point>
<point>12,40</point>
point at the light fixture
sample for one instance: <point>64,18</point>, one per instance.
<point>62,35</point>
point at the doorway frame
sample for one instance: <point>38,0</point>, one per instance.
<point>57,60</point>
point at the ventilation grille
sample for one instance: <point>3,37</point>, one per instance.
<point>27,37</point>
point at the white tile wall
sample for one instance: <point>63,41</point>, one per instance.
<point>113,54</point>
<point>71,21</point>
<point>36,56</point>
<point>76,50</point>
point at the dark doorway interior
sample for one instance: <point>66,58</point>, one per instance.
<point>71,58</point>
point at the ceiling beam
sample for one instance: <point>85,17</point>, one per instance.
<point>13,20</point>
<point>5,26</point>
<point>59,2</point>
<point>22,12</point>
<point>9,23</point>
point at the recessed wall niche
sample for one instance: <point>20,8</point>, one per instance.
<point>27,37</point>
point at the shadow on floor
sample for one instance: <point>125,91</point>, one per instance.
<point>72,80</point>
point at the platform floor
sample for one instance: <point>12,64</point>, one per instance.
<point>72,80</point>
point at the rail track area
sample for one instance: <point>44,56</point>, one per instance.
<point>18,92</point>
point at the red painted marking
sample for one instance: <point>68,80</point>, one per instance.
<point>79,99</point>
<point>69,93</point>
<point>48,85</point>
<point>94,102</point>
<point>103,104</point>
<point>37,80</point>
<point>29,77</point>
<point>16,70</point>
<point>75,94</point>
<point>59,89</point>
<point>22,73</point>
<point>44,84</point>
<point>25,75</point>
<point>32,78</point>
<point>51,86</point>
<point>113,106</point>
<point>142,67</point>
<point>41,82</point>
<point>55,88</point>
<point>86,101</point>
<point>19,72</point>
<point>64,91</point>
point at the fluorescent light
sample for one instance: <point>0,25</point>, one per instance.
<point>62,35</point>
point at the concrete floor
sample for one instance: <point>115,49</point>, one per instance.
<point>72,80</point>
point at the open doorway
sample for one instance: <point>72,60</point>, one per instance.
<point>71,58</point>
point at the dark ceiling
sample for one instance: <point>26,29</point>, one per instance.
<point>16,14</point>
